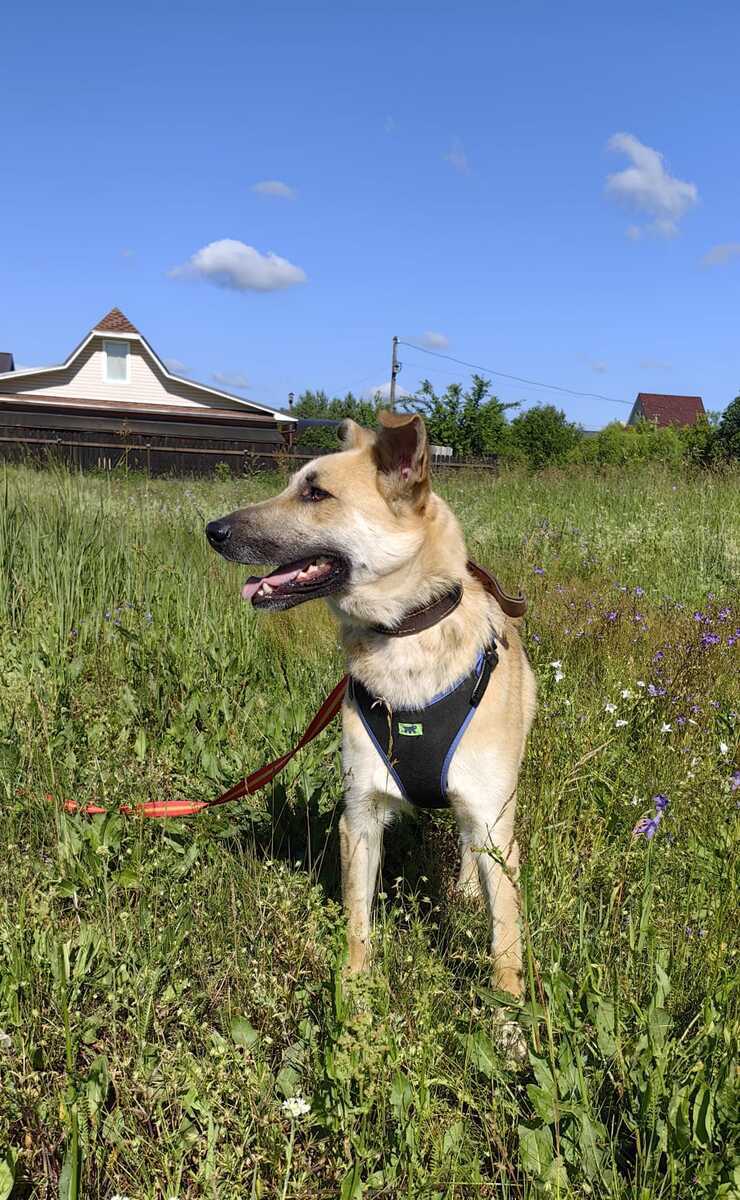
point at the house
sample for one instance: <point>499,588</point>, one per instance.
<point>114,400</point>
<point>666,410</point>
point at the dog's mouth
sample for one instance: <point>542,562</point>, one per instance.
<point>296,582</point>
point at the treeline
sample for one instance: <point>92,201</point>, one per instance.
<point>476,424</point>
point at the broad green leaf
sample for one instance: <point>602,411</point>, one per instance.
<point>453,1138</point>
<point>703,1116</point>
<point>482,1053</point>
<point>127,878</point>
<point>8,1161</point>
<point>535,1149</point>
<point>351,1188</point>
<point>543,1103</point>
<point>605,1027</point>
<point>243,1033</point>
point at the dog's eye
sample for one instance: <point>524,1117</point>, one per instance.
<point>311,494</point>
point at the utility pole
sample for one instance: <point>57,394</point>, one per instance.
<point>395,368</point>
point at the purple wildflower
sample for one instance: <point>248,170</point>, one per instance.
<point>611,616</point>
<point>699,616</point>
<point>654,691</point>
<point>648,826</point>
<point>658,655</point>
<point>735,780</point>
<point>638,591</point>
<point>539,570</point>
<point>710,639</point>
<point>723,614</point>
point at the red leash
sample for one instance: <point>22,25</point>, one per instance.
<point>418,619</point>
<point>258,779</point>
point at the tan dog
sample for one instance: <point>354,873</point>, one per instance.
<point>363,529</point>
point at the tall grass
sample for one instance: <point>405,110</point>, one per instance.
<point>166,988</point>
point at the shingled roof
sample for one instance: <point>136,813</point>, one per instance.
<point>116,322</point>
<point>664,410</point>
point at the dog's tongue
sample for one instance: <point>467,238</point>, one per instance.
<point>282,575</point>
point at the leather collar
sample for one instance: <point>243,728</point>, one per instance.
<point>426,615</point>
<point>423,617</point>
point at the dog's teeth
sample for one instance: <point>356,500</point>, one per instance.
<point>266,589</point>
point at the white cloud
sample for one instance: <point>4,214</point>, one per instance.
<point>232,264</point>
<point>654,364</point>
<point>175,366</point>
<point>457,157</point>
<point>719,255</point>
<point>648,187</point>
<point>433,340</point>
<point>274,187</point>
<point>230,379</point>
<point>383,391</point>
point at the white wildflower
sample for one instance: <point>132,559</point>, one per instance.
<point>556,665</point>
<point>723,748</point>
<point>665,728</point>
<point>6,1040</point>
<point>641,683</point>
<point>610,708</point>
<point>296,1106</point>
<point>558,676</point>
<point>620,723</point>
<point>626,694</point>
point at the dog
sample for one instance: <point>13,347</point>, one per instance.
<point>363,529</point>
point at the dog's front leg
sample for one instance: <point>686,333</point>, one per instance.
<point>488,842</point>
<point>498,869</point>
<point>360,840</point>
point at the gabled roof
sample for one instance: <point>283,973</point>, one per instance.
<point>666,410</point>
<point>116,324</point>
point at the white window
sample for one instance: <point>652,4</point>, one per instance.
<point>116,362</point>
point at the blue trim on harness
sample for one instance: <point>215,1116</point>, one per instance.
<point>451,752</point>
<point>381,752</point>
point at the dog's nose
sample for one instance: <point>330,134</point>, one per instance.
<point>218,532</point>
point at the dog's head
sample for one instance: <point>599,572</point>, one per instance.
<point>344,520</point>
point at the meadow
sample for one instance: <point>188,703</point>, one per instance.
<point>174,1020</point>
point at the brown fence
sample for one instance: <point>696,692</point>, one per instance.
<point>182,450</point>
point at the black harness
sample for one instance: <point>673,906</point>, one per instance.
<point>417,745</point>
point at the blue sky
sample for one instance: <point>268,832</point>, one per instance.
<point>447,170</point>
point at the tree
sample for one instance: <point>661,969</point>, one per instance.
<point>728,430</point>
<point>318,404</point>
<point>544,435</point>
<point>473,423</point>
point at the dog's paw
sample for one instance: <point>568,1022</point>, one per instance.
<point>512,1043</point>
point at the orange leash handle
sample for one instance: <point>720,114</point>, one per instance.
<point>246,787</point>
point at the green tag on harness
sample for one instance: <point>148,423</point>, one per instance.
<point>407,730</point>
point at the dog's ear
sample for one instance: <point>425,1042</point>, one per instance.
<point>354,436</point>
<point>401,455</point>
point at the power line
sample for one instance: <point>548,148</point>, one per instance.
<point>554,387</point>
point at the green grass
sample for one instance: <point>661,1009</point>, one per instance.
<point>165,987</point>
